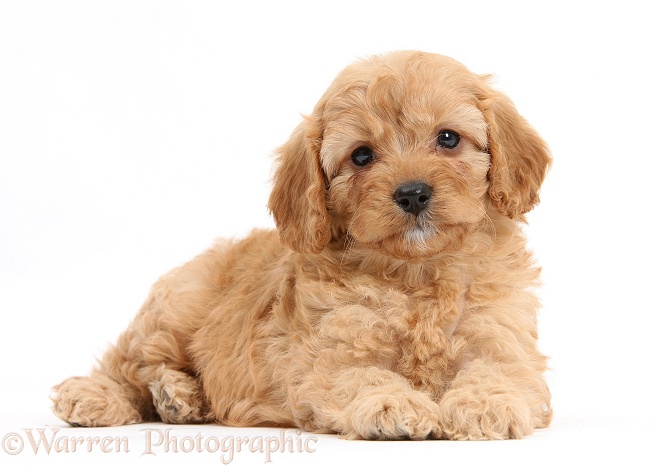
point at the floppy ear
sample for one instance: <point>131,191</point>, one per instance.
<point>298,200</point>
<point>519,157</point>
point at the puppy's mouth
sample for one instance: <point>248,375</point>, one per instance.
<point>415,239</point>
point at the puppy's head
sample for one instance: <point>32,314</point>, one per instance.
<point>405,153</point>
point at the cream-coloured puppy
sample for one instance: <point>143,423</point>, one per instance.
<point>392,302</point>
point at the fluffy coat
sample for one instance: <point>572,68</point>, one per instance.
<point>354,316</point>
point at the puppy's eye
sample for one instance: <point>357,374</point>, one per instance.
<point>362,156</point>
<point>448,139</point>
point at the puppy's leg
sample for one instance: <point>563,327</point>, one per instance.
<point>137,380</point>
<point>341,382</point>
<point>482,403</point>
<point>147,366</point>
<point>114,394</point>
<point>178,397</point>
<point>366,403</point>
<point>499,392</point>
<point>133,384</point>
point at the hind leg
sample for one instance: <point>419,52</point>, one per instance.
<point>148,372</point>
<point>173,396</point>
<point>116,392</point>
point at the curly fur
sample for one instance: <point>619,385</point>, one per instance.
<point>355,317</point>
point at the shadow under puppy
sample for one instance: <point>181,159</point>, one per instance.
<point>392,302</point>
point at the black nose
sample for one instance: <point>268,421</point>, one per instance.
<point>413,197</point>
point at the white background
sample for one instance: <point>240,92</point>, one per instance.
<point>132,133</point>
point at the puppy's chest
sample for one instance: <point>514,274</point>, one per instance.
<point>411,333</point>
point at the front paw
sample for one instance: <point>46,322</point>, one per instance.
<point>408,415</point>
<point>468,414</point>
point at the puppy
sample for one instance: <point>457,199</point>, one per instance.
<point>392,302</point>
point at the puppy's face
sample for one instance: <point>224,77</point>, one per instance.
<point>404,154</point>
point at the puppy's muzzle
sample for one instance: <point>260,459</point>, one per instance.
<point>413,197</point>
